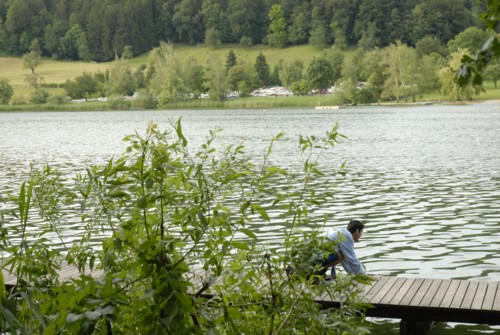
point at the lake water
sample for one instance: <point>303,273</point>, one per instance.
<point>424,179</point>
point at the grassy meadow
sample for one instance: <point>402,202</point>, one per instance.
<point>56,72</point>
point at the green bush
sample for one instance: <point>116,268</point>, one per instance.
<point>179,255</point>
<point>339,99</point>
<point>57,99</point>
<point>144,100</point>
<point>246,41</point>
<point>6,91</point>
<point>119,103</point>
<point>300,87</point>
<point>39,96</point>
<point>85,86</point>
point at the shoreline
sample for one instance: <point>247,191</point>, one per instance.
<point>275,103</point>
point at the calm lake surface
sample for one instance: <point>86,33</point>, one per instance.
<point>424,179</point>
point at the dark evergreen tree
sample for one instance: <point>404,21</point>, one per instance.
<point>274,76</point>
<point>343,21</point>
<point>441,18</point>
<point>262,71</point>
<point>248,19</point>
<point>231,60</point>
<point>188,21</point>
<point>373,20</point>
<point>53,35</point>
<point>165,25</point>
<point>68,47</point>
<point>300,24</point>
<point>321,32</point>
<point>24,22</point>
<point>214,17</point>
<point>100,31</point>
<point>139,30</point>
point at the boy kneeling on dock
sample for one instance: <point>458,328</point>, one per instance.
<point>340,250</point>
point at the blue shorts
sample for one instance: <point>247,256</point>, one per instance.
<point>332,258</point>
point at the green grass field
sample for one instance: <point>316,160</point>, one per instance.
<point>57,72</point>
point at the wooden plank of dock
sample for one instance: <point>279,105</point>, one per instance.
<point>441,292</point>
<point>477,302</point>
<point>490,296</point>
<point>431,293</point>
<point>389,295</point>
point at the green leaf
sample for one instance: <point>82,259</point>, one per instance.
<point>261,211</point>
<point>245,206</point>
<point>248,233</point>
<point>119,194</point>
<point>240,245</point>
<point>22,199</point>
<point>142,203</point>
<point>202,218</point>
<point>3,293</point>
<point>178,129</point>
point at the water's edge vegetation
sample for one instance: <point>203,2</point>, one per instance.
<point>239,103</point>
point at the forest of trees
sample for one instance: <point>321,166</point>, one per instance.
<point>105,29</point>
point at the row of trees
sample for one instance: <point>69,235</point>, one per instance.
<point>395,72</point>
<point>101,30</point>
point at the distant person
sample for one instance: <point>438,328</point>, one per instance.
<point>345,237</point>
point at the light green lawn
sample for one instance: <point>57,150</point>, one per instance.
<point>52,72</point>
<point>58,71</point>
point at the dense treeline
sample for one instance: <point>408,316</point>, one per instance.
<point>100,30</point>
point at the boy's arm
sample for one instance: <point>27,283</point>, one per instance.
<point>351,263</point>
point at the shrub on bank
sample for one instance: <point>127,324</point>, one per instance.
<point>178,252</point>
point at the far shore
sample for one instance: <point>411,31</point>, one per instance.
<point>326,102</point>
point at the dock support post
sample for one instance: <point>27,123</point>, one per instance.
<point>412,327</point>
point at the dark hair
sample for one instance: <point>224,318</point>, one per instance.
<point>355,225</point>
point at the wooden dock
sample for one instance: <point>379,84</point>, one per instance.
<point>328,107</point>
<point>416,301</point>
<point>419,302</point>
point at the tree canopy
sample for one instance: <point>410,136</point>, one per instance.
<point>101,30</point>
